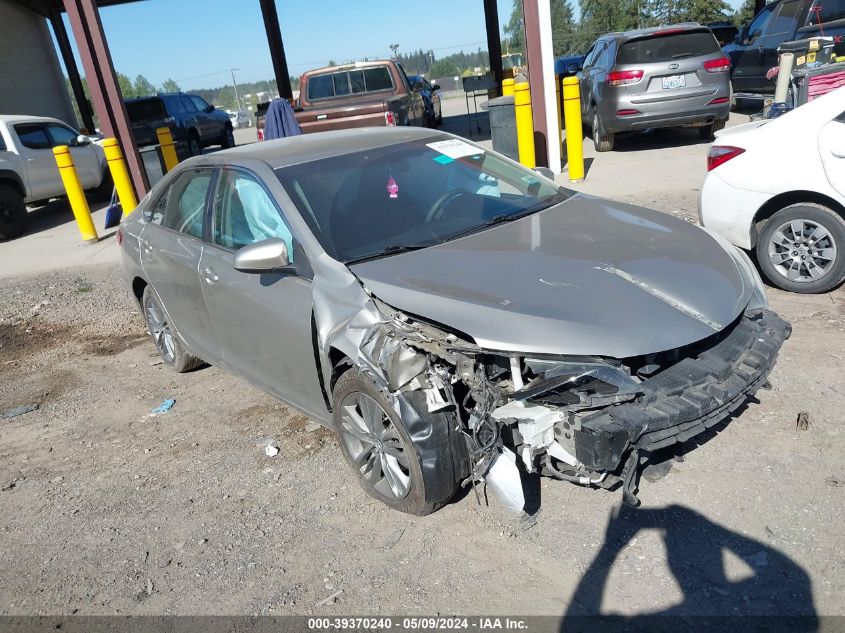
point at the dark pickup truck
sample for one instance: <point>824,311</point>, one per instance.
<point>362,94</point>
<point>755,49</point>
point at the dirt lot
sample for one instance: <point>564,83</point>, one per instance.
<point>108,509</point>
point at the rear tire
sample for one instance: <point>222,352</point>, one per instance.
<point>12,213</point>
<point>602,140</point>
<point>416,477</point>
<point>708,132</point>
<point>798,241</point>
<point>170,348</point>
<point>228,138</point>
<point>194,146</point>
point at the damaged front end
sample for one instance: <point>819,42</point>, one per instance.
<point>588,420</point>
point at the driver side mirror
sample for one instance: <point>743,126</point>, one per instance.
<point>266,256</point>
<point>82,141</point>
<point>210,108</point>
<point>435,87</point>
<point>742,36</point>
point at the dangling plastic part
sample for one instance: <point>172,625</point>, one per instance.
<point>392,187</point>
<point>504,480</point>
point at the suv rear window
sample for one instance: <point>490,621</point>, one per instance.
<point>145,110</point>
<point>349,82</point>
<point>667,48</point>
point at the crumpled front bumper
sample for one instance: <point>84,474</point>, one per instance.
<point>687,398</point>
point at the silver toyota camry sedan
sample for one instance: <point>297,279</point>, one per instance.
<point>456,318</point>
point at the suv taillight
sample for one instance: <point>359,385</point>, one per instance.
<point>721,65</point>
<point>389,119</point>
<point>624,77</point>
<point>119,235</point>
<point>260,133</point>
<point>720,154</point>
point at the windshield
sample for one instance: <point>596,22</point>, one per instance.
<point>410,195</point>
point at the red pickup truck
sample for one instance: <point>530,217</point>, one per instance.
<point>361,94</point>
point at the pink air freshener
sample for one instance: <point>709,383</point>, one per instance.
<point>392,188</point>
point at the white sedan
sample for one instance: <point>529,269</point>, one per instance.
<point>778,187</point>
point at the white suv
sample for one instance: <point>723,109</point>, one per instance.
<point>28,171</point>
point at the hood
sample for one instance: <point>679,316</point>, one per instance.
<point>585,277</point>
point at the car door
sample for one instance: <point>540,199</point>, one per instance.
<point>171,249</point>
<point>263,321</point>
<point>36,151</point>
<point>587,77</point>
<point>192,117</point>
<point>85,157</point>
<point>748,73</point>
<point>832,150</point>
<point>211,126</point>
<point>781,28</point>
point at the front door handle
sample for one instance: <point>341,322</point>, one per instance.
<point>210,276</point>
<point>839,153</point>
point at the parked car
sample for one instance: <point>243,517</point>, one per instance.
<point>778,187</point>
<point>755,50</point>
<point>431,100</point>
<point>239,119</point>
<point>193,122</point>
<point>661,77</point>
<point>28,171</point>
<point>362,94</point>
<point>454,316</point>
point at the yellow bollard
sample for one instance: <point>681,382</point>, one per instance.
<point>119,175</point>
<point>75,195</point>
<point>524,124</point>
<point>507,87</point>
<point>574,132</point>
<point>168,148</point>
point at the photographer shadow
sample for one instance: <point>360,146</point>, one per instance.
<point>777,596</point>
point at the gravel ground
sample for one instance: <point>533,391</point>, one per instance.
<point>109,509</point>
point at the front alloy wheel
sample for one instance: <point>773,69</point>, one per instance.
<point>169,346</point>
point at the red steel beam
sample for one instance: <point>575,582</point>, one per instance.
<point>277,48</point>
<point>494,43</point>
<point>531,18</point>
<point>102,84</point>
<point>72,70</point>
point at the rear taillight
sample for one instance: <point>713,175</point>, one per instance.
<point>389,119</point>
<point>718,100</point>
<point>119,235</point>
<point>624,77</point>
<point>720,154</point>
<point>627,112</point>
<point>260,134</point>
<point>721,65</point>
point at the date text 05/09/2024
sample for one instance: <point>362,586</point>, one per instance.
<point>420,623</point>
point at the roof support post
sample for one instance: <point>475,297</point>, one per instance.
<point>494,43</point>
<point>72,70</point>
<point>102,84</point>
<point>540,53</point>
<point>277,48</point>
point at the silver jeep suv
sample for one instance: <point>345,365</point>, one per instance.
<point>673,76</point>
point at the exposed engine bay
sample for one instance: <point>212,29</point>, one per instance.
<point>591,421</point>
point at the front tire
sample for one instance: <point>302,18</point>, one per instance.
<point>170,348</point>
<point>413,476</point>
<point>12,213</point>
<point>194,146</point>
<point>228,138</point>
<point>802,249</point>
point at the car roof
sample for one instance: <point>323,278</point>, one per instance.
<point>653,30</point>
<point>305,148</point>
<point>29,118</point>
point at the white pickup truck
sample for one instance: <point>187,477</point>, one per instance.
<point>28,171</point>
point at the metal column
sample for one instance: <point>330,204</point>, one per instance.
<point>277,48</point>
<point>102,84</point>
<point>494,43</point>
<point>541,78</point>
<point>72,71</point>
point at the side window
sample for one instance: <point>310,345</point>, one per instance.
<point>356,81</point>
<point>199,103</point>
<point>62,135</point>
<point>378,78</point>
<point>244,213</point>
<point>189,105</point>
<point>782,26</point>
<point>592,56</point>
<point>341,84</point>
<point>175,105</point>
<point>155,215</point>
<point>2,143</point>
<point>33,136</point>
<point>757,29</point>
<point>186,203</point>
<point>826,11</point>
<point>605,59</point>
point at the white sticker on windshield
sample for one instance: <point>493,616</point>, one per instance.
<point>453,148</point>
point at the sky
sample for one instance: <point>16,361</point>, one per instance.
<point>196,42</point>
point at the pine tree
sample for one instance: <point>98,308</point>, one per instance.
<point>515,30</point>
<point>143,87</point>
<point>170,86</point>
<point>745,13</point>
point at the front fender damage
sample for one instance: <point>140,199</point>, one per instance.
<point>583,420</point>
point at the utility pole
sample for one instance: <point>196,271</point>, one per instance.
<point>235,83</point>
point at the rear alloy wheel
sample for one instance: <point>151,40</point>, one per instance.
<point>376,443</point>
<point>602,140</point>
<point>169,347</point>
<point>12,213</point>
<point>802,249</point>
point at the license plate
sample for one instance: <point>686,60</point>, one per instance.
<point>674,81</point>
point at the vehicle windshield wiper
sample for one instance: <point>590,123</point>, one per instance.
<point>393,249</point>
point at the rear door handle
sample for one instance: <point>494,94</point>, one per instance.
<point>839,153</point>
<point>148,248</point>
<point>210,276</point>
